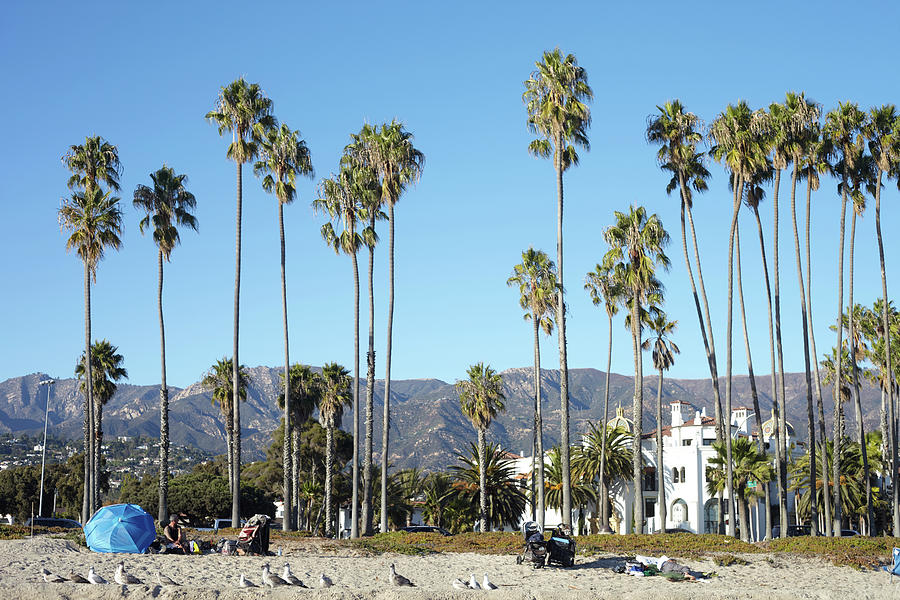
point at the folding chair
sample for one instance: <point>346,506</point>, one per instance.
<point>894,568</point>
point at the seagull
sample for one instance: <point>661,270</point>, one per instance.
<point>271,580</point>
<point>52,577</point>
<point>123,578</point>
<point>486,584</point>
<point>325,581</point>
<point>400,580</point>
<point>473,583</point>
<point>245,583</point>
<point>94,577</point>
<point>76,578</point>
<point>459,584</point>
<point>290,578</point>
<point>163,580</point>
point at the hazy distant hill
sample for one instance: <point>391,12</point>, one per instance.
<point>427,427</point>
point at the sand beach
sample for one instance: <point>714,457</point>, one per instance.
<point>360,576</point>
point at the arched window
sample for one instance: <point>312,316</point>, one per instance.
<point>683,479</point>
<point>675,475</point>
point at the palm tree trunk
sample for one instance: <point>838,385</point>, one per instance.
<point>370,384</point>
<point>229,440</point>
<point>163,407</point>
<point>87,508</point>
<point>637,416</point>
<point>826,503</point>
<point>660,467</point>
<point>295,471</point>
<point>836,461</point>
<point>892,445</point>
<point>729,483</point>
<point>561,330</point>
<point>286,524</point>
<point>329,468</point>
<point>860,427</point>
<point>385,425</point>
<point>813,509</point>
<point>98,442</point>
<point>538,425</point>
<point>762,251</point>
<point>782,414</point>
<point>370,398</point>
<point>482,483</point>
<point>235,370</point>
<point>745,522</point>
<point>604,510</point>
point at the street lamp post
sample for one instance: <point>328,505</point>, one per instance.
<point>48,383</point>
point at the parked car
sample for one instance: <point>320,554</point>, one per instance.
<point>225,524</point>
<point>792,530</point>
<point>426,529</point>
<point>848,533</point>
<point>52,522</point>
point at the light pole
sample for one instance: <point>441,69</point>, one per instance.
<point>48,383</point>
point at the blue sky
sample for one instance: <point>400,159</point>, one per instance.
<point>143,76</point>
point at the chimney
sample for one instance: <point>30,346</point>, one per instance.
<point>698,419</point>
<point>677,419</point>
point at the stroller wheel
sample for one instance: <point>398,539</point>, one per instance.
<point>518,560</point>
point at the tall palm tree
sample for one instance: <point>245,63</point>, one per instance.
<point>166,205</point>
<point>602,286</point>
<point>481,398</point>
<point>490,474</point>
<point>389,150</point>
<point>337,199</point>
<point>218,380</point>
<point>663,351</point>
<point>749,465</point>
<point>335,396</point>
<point>735,142</point>
<point>536,278</point>
<point>677,134</point>
<point>842,129</point>
<point>95,222</point>
<point>106,370</point>
<point>883,133</point>
<point>243,110</point>
<point>304,392</point>
<point>285,156</point>
<point>605,456</point>
<point>636,249</point>
<point>555,97</point>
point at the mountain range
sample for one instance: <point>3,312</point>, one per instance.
<point>428,428</point>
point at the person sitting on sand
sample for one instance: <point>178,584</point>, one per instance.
<point>174,535</point>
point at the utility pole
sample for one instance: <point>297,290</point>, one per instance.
<point>48,383</point>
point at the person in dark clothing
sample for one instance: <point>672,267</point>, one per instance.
<point>174,535</point>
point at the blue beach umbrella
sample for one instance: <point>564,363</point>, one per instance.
<point>120,528</point>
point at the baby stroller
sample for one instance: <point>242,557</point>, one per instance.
<point>535,550</point>
<point>561,547</point>
<point>254,537</point>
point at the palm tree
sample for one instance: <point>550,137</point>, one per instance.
<point>481,398</point>
<point>436,488</point>
<point>603,287</point>
<point>95,222</point>
<point>555,97</point>
<point>304,392</point>
<point>849,486</point>
<point>536,278</point>
<point>676,133</point>
<point>583,492</point>
<point>489,474</point>
<point>636,249</point>
<point>842,129</point>
<point>166,205</point>
<point>243,110</point>
<point>749,465</point>
<point>883,132</point>
<point>285,156</point>
<point>390,152</point>
<point>604,456</point>
<point>218,381</point>
<point>335,396</point>
<point>734,141</point>
<point>663,353</point>
<point>106,370</point>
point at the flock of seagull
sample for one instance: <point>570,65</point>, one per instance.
<point>269,579</point>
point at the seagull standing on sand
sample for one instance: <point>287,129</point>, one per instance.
<point>94,577</point>
<point>52,577</point>
<point>486,584</point>
<point>123,578</point>
<point>473,583</point>
<point>325,581</point>
<point>271,580</point>
<point>290,578</point>
<point>459,584</point>
<point>163,580</point>
<point>400,580</point>
<point>76,578</point>
<point>245,583</point>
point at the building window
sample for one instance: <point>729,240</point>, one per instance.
<point>675,475</point>
<point>686,442</point>
<point>683,478</point>
<point>708,441</point>
<point>649,508</point>
<point>649,483</point>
